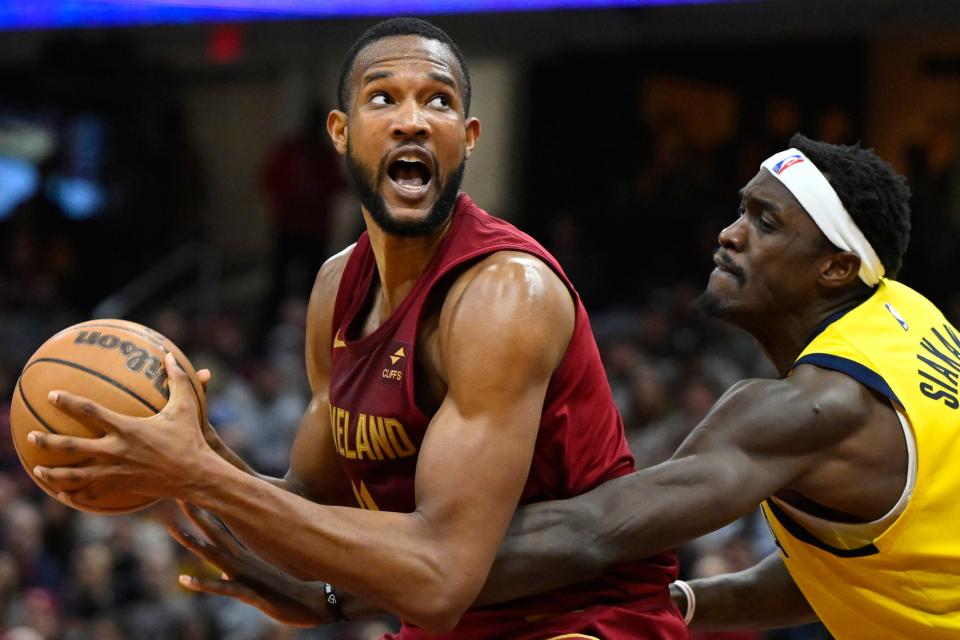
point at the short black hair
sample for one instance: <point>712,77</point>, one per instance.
<point>874,194</point>
<point>400,27</point>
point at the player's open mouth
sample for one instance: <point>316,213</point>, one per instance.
<point>410,170</point>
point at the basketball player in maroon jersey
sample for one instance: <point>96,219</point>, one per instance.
<point>454,375</point>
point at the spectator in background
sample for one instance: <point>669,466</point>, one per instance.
<point>163,612</point>
<point>90,593</point>
<point>9,584</point>
<point>658,439</point>
<point>301,180</point>
<point>37,611</point>
<point>23,531</point>
<point>181,181</point>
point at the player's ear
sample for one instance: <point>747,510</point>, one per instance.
<point>337,128</point>
<point>840,269</point>
<point>472,128</point>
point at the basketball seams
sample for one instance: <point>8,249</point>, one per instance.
<point>74,365</point>
<point>149,337</point>
<point>33,412</point>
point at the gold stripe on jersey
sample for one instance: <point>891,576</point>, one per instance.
<point>364,499</point>
<point>906,583</point>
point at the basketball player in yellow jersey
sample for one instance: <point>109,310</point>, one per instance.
<point>852,452</point>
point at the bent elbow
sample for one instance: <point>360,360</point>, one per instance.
<point>439,614</point>
<point>441,600</point>
<point>443,587</point>
<point>439,623</point>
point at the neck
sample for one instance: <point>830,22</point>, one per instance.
<point>400,260</point>
<point>784,337</point>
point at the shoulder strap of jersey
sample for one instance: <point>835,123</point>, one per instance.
<point>351,280</point>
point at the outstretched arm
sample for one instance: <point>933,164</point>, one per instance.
<point>761,597</point>
<point>761,436</point>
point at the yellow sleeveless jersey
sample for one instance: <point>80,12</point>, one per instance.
<point>906,582</point>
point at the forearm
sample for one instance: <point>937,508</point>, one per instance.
<point>554,544</point>
<point>548,545</point>
<point>392,559</point>
<point>761,597</point>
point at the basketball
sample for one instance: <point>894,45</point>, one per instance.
<point>118,364</point>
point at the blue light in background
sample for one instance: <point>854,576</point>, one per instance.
<point>18,181</point>
<point>78,197</point>
<point>47,14</point>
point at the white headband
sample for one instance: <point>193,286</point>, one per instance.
<point>813,191</point>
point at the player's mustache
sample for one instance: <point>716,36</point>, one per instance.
<point>727,264</point>
<point>407,142</point>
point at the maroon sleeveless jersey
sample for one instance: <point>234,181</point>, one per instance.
<point>378,428</point>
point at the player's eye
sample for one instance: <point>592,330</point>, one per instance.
<point>440,101</point>
<point>380,99</point>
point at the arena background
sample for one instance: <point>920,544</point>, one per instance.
<point>157,163</point>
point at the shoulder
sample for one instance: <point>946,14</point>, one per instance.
<point>821,391</point>
<point>323,296</point>
<point>328,277</point>
<point>810,411</point>
<point>512,300</point>
<point>516,269</point>
<point>511,282</point>
<point>324,292</point>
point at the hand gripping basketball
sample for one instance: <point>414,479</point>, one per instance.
<point>160,456</point>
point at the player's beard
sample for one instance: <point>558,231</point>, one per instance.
<point>710,305</point>
<point>364,184</point>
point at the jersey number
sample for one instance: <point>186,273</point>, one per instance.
<point>364,499</point>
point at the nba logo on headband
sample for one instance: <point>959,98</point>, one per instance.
<point>786,163</point>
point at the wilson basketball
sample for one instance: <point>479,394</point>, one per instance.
<point>116,363</point>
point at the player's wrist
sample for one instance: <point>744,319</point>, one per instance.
<point>333,603</point>
<point>213,440</point>
<point>684,599</point>
<point>210,477</point>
